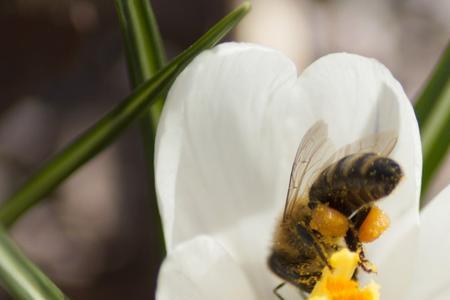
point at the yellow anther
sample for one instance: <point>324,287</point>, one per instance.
<point>337,284</point>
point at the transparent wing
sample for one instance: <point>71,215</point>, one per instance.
<point>314,151</point>
<point>381,143</point>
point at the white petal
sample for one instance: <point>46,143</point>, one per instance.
<point>200,269</point>
<point>432,277</point>
<point>231,125</point>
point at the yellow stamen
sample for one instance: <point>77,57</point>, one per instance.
<point>337,284</point>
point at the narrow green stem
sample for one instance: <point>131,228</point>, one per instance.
<point>109,127</point>
<point>145,56</point>
<point>21,277</point>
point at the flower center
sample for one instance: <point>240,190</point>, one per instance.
<point>337,284</point>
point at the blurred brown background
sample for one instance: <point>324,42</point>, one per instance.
<point>62,67</point>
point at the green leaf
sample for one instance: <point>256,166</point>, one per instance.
<point>109,127</point>
<point>433,88</point>
<point>144,49</point>
<point>433,114</point>
<point>145,56</point>
<point>436,138</point>
<point>143,44</point>
<point>21,277</point>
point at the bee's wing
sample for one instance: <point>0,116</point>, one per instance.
<point>313,152</point>
<point>381,143</point>
<point>316,151</point>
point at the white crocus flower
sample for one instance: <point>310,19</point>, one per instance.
<point>225,146</point>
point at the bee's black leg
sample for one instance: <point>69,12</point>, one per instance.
<point>354,244</point>
<point>275,290</point>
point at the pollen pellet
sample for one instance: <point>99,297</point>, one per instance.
<point>374,225</point>
<point>328,221</point>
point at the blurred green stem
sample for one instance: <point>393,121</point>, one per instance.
<point>22,279</point>
<point>99,136</point>
<point>433,88</point>
<point>436,138</point>
<point>145,56</point>
<point>433,114</point>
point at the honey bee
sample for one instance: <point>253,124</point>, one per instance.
<point>330,195</point>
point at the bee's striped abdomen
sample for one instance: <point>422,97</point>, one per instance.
<point>354,181</point>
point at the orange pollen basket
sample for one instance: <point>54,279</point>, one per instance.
<point>328,221</point>
<point>374,225</point>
